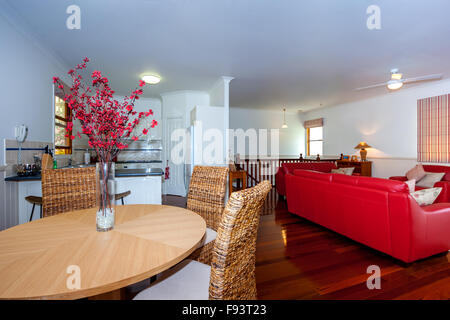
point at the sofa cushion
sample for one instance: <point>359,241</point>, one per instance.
<point>313,174</point>
<point>426,197</point>
<point>430,179</point>
<point>411,185</point>
<point>288,168</point>
<point>418,172</point>
<point>383,184</point>
<point>339,170</point>
<point>344,179</point>
<point>434,168</point>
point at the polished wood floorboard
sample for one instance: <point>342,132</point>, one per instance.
<point>297,259</point>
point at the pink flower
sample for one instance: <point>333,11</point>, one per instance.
<point>106,121</point>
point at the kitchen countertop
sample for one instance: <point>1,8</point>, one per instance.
<point>119,173</point>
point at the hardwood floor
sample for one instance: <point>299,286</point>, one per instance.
<point>297,259</point>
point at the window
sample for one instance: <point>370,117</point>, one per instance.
<point>433,134</point>
<point>63,144</point>
<point>314,141</point>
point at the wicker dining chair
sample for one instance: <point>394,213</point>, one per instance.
<point>206,197</point>
<point>231,275</point>
<point>68,189</point>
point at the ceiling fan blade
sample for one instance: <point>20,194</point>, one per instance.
<point>424,78</point>
<point>372,86</point>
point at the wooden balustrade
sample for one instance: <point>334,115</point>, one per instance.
<point>265,169</point>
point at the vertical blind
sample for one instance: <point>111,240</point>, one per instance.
<point>433,135</point>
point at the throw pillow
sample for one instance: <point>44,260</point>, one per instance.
<point>340,171</point>
<point>349,171</point>
<point>430,179</point>
<point>426,196</point>
<point>411,185</point>
<point>416,173</point>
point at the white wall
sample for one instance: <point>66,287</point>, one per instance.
<point>217,93</point>
<point>178,104</point>
<point>143,105</point>
<point>26,83</point>
<point>386,122</point>
<point>291,140</point>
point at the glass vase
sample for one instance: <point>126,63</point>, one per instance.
<point>106,191</point>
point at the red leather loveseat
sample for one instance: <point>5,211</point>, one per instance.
<point>288,168</point>
<point>379,213</point>
<point>444,196</point>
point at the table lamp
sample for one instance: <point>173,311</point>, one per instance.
<point>363,151</point>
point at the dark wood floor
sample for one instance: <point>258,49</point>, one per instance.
<point>297,259</point>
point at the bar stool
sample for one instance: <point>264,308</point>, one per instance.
<point>120,196</point>
<point>35,201</point>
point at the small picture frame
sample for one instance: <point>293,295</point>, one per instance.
<point>346,158</point>
<point>354,158</point>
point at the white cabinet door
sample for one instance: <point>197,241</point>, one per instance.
<point>144,190</point>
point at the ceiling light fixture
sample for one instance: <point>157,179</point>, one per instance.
<point>151,79</point>
<point>394,84</point>
<point>284,126</point>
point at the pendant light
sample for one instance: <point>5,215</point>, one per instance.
<point>284,126</point>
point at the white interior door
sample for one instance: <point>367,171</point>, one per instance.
<point>175,184</point>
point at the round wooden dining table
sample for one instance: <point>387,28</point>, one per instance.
<point>64,257</point>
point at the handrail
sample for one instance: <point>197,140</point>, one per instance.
<point>259,169</point>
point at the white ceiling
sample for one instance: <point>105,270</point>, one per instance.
<point>300,54</point>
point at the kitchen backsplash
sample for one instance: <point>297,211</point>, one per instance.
<point>29,149</point>
<point>142,151</point>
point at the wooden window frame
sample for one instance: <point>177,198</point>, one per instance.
<point>67,149</point>
<point>308,140</point>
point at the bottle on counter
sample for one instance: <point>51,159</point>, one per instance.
<point>87,157</point>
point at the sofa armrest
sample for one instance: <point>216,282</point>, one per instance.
<point>280,182</point>
<point>430,225</point>
<point>444,196</point>
<point>399,178</point>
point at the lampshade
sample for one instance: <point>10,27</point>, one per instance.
<point>362,145</point>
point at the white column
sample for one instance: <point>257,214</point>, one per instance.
<point>226,117</point>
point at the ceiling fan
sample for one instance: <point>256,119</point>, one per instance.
<point>397,80</point>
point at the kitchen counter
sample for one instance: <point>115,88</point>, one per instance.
<point>24,178</point>
<point>145,186</point>
<point>119,173</point>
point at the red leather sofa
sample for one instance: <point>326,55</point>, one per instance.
<point>288,168</point>
<point>444,196</point>
<point>379,213</point>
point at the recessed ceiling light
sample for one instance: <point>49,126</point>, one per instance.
<point>151,79</point>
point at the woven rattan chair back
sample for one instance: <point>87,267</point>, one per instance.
<point>206,194</point>
<point>68,189</point>
<point>233,256</point>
